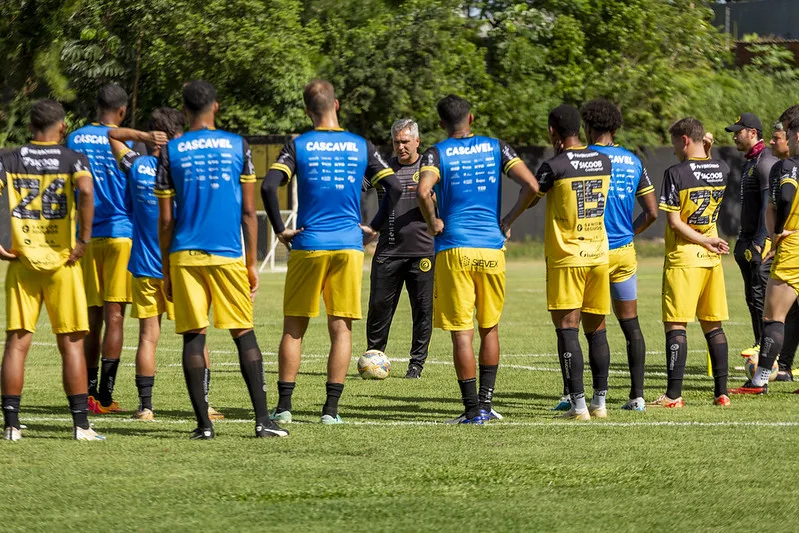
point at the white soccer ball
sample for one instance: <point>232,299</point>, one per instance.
<point>751,366</point>
<point>374,364</point>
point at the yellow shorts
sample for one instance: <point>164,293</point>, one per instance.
<point>690,292</point>
<point>622,263</point>
<point>62,292</point>
<point>105,271</point>
<point>335,274</point>
<point>196,287</point>
<point>788,275</point>
<point>586,288</point>
<point>149,299</point>
<point>468,280</point>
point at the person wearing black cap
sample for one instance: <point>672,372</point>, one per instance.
<point>753,243</point>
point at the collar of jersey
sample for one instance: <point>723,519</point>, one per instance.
<point>44,143</point>
<point>606,145</point>
<point>329,129</point>
<point>104,124</point>
<point>698,159</point>
<point>576,148</point>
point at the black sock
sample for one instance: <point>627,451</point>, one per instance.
<point>636,355</point>
<point>771,343</point>
<point>570,355</point>
<point>79,407</point>
<point>334,391</point>
<point>252,370</point>
<point>92,375</point>
<point>284,390</point>
<point>145,386</point>
<point>108,375</point>
<point>488,377</point>
<point>676,357</point>
<point>11,410</point>
<point>195,373</point>
<point>469,396</point>
<point>599,358</point>
<point>717,348</point>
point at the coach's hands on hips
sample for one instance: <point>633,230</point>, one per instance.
<point>287,235</point>
<point>368,233</point>
<point>717,245</point>
<point>436,227</point>
<point>74,256</point>
<point>255,279</point>
<point>5,255</point>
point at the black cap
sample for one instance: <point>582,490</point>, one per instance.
<point>746,120</point>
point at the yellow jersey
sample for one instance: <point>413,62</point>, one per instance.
<point>787,253</point>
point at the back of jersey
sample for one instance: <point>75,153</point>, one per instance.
<point>204,170</point>
<point>694,189</point>
<point>145,255</point>
<point>628,180</point>
<point>110,184</point>
<point>469,193</point>
<point>38,180</point>
<point>330,166</point>
<point>576,182</point>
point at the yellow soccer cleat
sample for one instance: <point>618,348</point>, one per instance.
<point>571,414</point>
<point>213,414</point>
<point>597,412</point>
<point>753,350</point>
<point>144,414</point>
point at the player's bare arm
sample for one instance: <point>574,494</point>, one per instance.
<point>166,231</point>
<point>249,224</point>
<point>649,212</point>
<point>117,137</point>
<point>713,244</point>
<point>424,195</point>
<point>521,175</point>
<point>85,187</point>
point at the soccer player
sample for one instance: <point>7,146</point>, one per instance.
<point>629,181</point>
<point>404,255</point>
<point>105,274</point>
<point>753,244</point>
<point>576,248</point>
<point>693,279</point>
<point>783,284</point>
<point>327,248</point>
<point>40,180</point>
<point>465,170</point>
<point>205,186</point>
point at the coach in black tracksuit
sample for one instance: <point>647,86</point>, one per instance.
<point>404,255</point>
<point>753,243</point>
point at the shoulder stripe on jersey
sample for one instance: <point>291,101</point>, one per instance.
<point>512,163</point>
<point>645,190</point>
<point>789,180</point>
<point>168,193</point>
<point>122,154</point>
<point>540,194</point>
<point>82,174</point>
<point>434,170</point>
<point>13,175</point>
<point>281,167</point>
<point>382,174</point>
<point>247,178</point>
<point>669,208</point>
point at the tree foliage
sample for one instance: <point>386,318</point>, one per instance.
<point>513,59</point>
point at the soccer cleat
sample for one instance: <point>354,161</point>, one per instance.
<point>270,430</point>
<point>329,420</point>
<point>213,414</point>
<point>563,405</point>
<point>571,414</point>
<point>668,403</point>
<point>144,414</point>
<point>597,412</point>
<point>479,419</point>
<point>722,401</point>
<point>414,372</point>
<point>784,375</point>
<point>635,404</point>
<point>284,417</point>
<point>490,414</point>
<point>87,434</point>
<point>749,352</point>
<point>100,409</point>
<point>750,388</point>
<point>13,434</point>
<point>202,434</point>
<point>93,403</point>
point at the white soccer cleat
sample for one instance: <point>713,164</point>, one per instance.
<point>13,434</point>
<point>86,434</point>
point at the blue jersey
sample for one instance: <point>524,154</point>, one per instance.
<point>203,170</point>
<point>469,190</point>
<point>110,185</point>
<point>145,255</point>
<point>330,166</point>
<point>628,181</point>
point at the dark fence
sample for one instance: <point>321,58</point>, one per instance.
<point>767,18</point>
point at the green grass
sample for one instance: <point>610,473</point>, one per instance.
<point>394,466</point>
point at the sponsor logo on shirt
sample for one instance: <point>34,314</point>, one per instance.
<point>319,146</point>
<point>89,138</point>
<point>201,144</point>
<point>469,150</point>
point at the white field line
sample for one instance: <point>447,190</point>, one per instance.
<point>593,424</point>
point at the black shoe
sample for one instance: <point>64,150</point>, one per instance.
<point>414,372</point>
<point>784,375</point>
<point>270,429</point>
<point>202,434</point>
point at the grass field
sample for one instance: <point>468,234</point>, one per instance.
<point>394,466</point>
